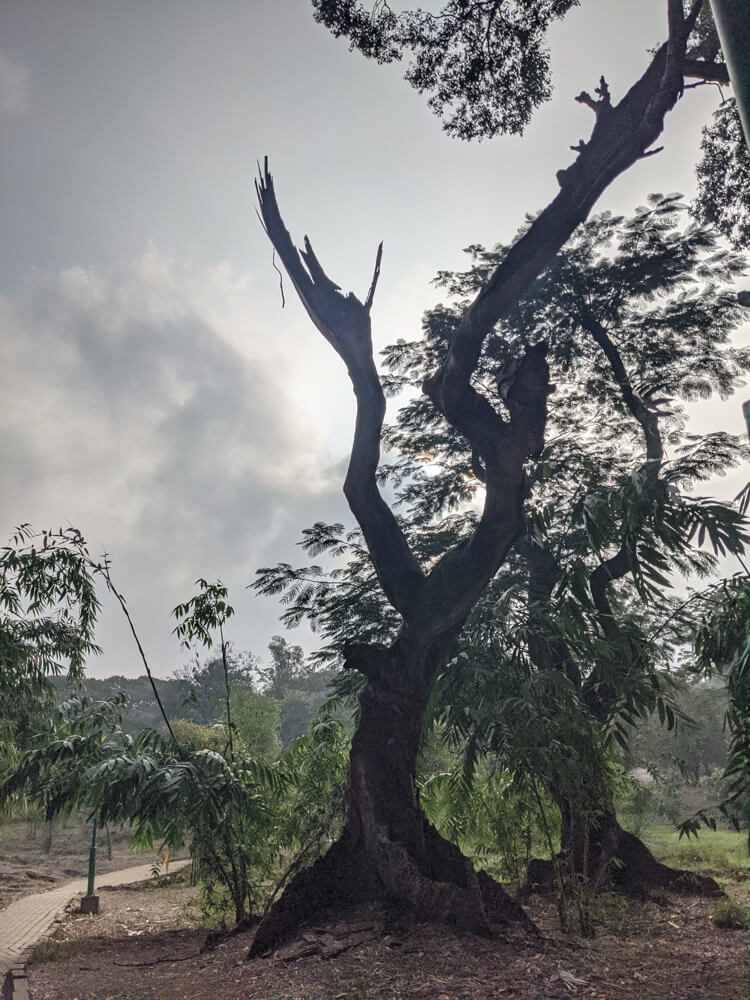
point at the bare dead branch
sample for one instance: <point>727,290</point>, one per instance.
<point>345,323</point>
<point>585,98</point>
<point>602,90</point>
<point>317,273</point>
<point>375,276</point>
<point>618,140</point>
<point>604,101</point>
<point>276,231</point>
<point>651,152</point>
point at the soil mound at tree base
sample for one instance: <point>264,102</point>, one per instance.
<point>636,873</point>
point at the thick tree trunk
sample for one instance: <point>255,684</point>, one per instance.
<point>388,851</point>
<point>611,858</point>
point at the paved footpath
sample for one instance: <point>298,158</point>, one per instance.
<point>26,920</point>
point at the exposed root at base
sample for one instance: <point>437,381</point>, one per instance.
<point>344,879</point>
<point>636,874</point>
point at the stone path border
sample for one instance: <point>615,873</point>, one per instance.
<point>27,920</point>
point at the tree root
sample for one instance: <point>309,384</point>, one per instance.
<point>332,883</point>
<point>635,873</point>
<point>641,871</point>
<point>440,886</point>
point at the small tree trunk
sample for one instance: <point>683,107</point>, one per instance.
<point>388,851</point>
<point>636,870</point>
<point>599,849</point>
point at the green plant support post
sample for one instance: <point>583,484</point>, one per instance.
<point>732,19</point>
<point>92,863</point>
<point>90,902</point>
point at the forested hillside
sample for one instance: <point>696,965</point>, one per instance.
<point>196,693</point>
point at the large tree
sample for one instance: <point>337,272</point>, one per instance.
<point>387,849</point>
<point>574,637</point>
<point>638,314</point>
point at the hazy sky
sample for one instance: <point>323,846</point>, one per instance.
<point>155,395</point>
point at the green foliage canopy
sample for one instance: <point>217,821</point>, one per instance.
<point>48,611</point>
<point>256,720</point>
<point>723,646</point>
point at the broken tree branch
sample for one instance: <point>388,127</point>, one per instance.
<point>345,323</point>
<point>375,276</point>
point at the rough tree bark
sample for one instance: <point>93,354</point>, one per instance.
<point>387,849</point>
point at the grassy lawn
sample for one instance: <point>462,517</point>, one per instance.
<point>720,851</point>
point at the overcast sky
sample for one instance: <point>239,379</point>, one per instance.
<point>155,395</point>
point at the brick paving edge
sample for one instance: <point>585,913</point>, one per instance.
<point>16,984</point>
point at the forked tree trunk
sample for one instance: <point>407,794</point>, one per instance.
<point>388,851</point>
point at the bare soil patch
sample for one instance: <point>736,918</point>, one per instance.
<point>31,860</point>
<point>138,949</point>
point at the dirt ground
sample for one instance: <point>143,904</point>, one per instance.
<point>32,861</point>
<point>135,950</point>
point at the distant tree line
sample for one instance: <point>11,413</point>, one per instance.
<point>273,701</point>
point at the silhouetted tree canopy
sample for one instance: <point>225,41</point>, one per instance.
<point>484,65</point>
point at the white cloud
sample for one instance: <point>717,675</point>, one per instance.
<point>133,409</point>
<point>14,86</point>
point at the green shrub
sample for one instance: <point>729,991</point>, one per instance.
<point>498,824</point>
<point>729,915</point>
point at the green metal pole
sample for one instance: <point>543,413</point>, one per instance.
<point>732,19</point>
<point>92,862</point>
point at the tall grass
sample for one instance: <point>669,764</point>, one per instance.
<point>721,851</point>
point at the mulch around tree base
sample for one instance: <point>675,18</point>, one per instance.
<point>670,951</point>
